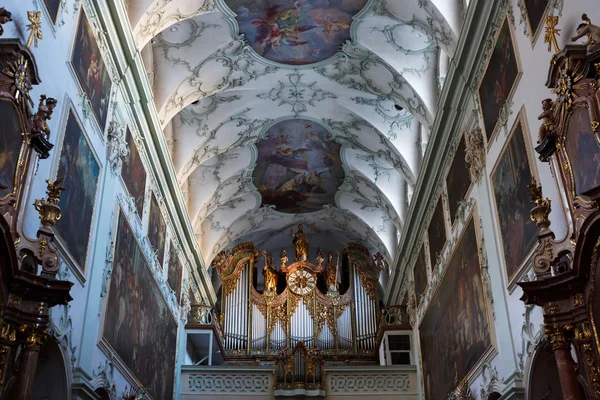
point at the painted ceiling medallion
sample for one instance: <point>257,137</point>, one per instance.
<point>295,32</point>
<point>299,168</point>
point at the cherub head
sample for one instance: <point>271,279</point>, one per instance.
<point>547,104</point>
<point>5,15</point>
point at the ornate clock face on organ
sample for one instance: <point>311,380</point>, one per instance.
<point>301,282</point>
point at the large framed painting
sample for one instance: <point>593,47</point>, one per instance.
<point>157,229</point>
<point>499,80</point>
<point>175,272</point>
<point>11,142</point>
<point>420,274</point>
<point>134,174</point>
<point>80,169</point>
<point>53,6</point>
<point>583,150</point>
<point>90,69</point>
<point>535,11</point>
<point>459,306</point>
<point>295,33</point>
<point>458,179</point>
<point>299,168</point>
<point>138,324</point>
<point>510,178</point>
<point>437,233</point>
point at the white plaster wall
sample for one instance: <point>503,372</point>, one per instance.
<point>511,330</point>
<point>79,324</point>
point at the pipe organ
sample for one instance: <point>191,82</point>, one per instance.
<point>320,311</point>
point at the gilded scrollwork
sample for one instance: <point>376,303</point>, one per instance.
<point>475,153</point>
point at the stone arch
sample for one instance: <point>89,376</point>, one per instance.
<point>53,373</point>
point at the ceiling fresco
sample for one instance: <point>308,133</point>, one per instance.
<point>224,71</point>
<point>295,32</point>
<point>298,169</point>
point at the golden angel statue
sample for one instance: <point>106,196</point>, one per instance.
<point>269,273</point>
<point>331,272</point>
<point>301,243</point>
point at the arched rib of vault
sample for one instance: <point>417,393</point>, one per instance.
<point>361,69</point>
<point>372,164</point>
<point>369,195</point>
<point>423,10</point>
<point>180,51</point>
<point>207,182</point>
<point>406,47</point>
<point>265,219</point>
<point>233,188</point>
<point>240,184</point>
<point>274,241</point>
<point>380,175</point>
<point>198,138</point>
<point>236,131</point>
<point>378,220</point>
<point>161,14</point>
<point>198,127</point>
<point>356,133</point>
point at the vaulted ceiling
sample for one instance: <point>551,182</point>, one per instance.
<point>361,81</point>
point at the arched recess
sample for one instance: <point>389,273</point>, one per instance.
<point>53,373</point>
<point>103,394</point>
<point>542,378</point>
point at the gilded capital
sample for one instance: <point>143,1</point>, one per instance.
<point>557,336</point>
<point>35,336</point>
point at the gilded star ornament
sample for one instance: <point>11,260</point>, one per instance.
<point>17,70</point>
<point>551,33</point>
<point>34,28</point>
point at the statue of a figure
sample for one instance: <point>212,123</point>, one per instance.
<point>548,127</point>
<point>44,113</point>
<point>590,30</point>
<point>301,243</point>
<point>320,258</point>
<point>269,273</point>
<point>331,271</point>
<point>5,16</point>
<point>283,259</point>
<point>379,261</point>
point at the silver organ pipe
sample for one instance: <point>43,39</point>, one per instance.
<point>302,326</point>
<point>366,319</point>
<point>259,329</point>
<point>325,338</point>
<point>277,337</point>
<point>344,324</point>
<point>236,317</point>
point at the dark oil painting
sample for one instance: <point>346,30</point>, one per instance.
<point>458,180</point>
<point>91,70</point>
<point>509,180</point>
<point>138,324</point>
<point>295,32</point>
<point>498,80</point>
<point>420,274</point>
<point>175,271</point>
<point>134,174</point>
<point>457,307</point>
<point>535,12</point>
<point>437,233</point>
<point>299,168</point>
<point>53,6</point>
<point>10,145</point>
<point>583,150</point>
<point>81,171</point>
<point>157,229</point>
